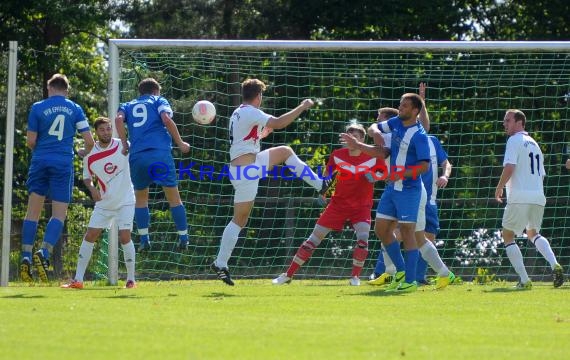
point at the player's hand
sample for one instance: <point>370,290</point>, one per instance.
<point>82,152</point>
<point>499,195</point>
<point>348,140</point>
<point>442,181</point>
<point>95,194</point>
<point>265,132</point>
<point>307,104</point>
<point>422,90</point>
<point>125,148</point>
<point>184,147</point>
<point>568,164</point>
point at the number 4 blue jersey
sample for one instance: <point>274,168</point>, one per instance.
<point>56,120</point>
<point>144,122</point>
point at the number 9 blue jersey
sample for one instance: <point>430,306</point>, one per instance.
<point>144,122</point>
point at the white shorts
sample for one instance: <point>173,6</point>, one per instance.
<point>246,185</point>
<point>421,221</point>
<point>123,216</point>
<point>518,217</point>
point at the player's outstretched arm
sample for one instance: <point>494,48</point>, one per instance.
<point>173,131</point>
<point>423,116</point>
<point>372,150</point>
<point>89,142</point>
<point>568,164</point>
<point>284,120</point>
<point>121,133</point>
<point>376,135</point>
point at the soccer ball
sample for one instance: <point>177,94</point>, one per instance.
<point>204,112</point>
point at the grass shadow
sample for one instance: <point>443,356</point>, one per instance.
<point>23,296</point>
<point>218,295</point>
<point>506,290</point>
<point>380,293</point>
<point>124,296</point>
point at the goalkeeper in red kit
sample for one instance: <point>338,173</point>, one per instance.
<point>351,203</point>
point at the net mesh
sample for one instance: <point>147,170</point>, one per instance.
<point>467,95</point>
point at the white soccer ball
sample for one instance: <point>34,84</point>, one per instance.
<point>204,112</point>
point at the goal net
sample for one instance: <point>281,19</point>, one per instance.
<point>469,87</point>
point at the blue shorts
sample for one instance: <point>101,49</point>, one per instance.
<point>432,219</point>
<point>152,166</point>
<point>51,178</point>
<point>400,205</point>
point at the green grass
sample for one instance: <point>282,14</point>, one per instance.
<point>305,320</point>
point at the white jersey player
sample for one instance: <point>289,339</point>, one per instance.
<point>248,125</point>
<point>114,200</point>
<point>523,173</point>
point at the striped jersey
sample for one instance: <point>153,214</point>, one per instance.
<point>409,146</point>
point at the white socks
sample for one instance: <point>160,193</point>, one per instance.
<point>304,172</point>
<point>229,240</point>
<point>430,255</point>
<point>129,256</point>
<point>545,250</point>
<point>390,267</point>
<point>85,252</point>
<point>515,256</point>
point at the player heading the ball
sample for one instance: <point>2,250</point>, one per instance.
<point>151,131</point>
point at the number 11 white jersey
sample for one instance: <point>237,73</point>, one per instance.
<point>525,185</point>
<point>246,124</point>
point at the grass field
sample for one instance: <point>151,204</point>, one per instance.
<point>309,319</point>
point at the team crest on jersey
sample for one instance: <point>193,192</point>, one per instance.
<point>110,168</point>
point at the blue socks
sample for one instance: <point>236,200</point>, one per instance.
<point>395,254</point>
<point>179,217</point>
<point>411,265</point>
<point>380,265</point>
<point>29,229</point>
<point>421,270</point>
<point>142,218</point>
<point>54,229</point>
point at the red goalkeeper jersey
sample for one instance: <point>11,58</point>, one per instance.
<point>352,188</point>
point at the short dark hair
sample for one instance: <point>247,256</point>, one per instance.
<point>391,112</point>
<point>58,82</point>
<point>148,86</point>
<point>415,99</point>
<point>100,121</point>
<point>518,115</point>
<point>250,88</point>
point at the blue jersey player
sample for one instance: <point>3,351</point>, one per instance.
<point>52,125</point>
<point>151,131</point>
<point>400,202</point>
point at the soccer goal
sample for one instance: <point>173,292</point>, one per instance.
<point>469,87</point>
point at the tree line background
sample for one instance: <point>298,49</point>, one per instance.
<point>71,37</point>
